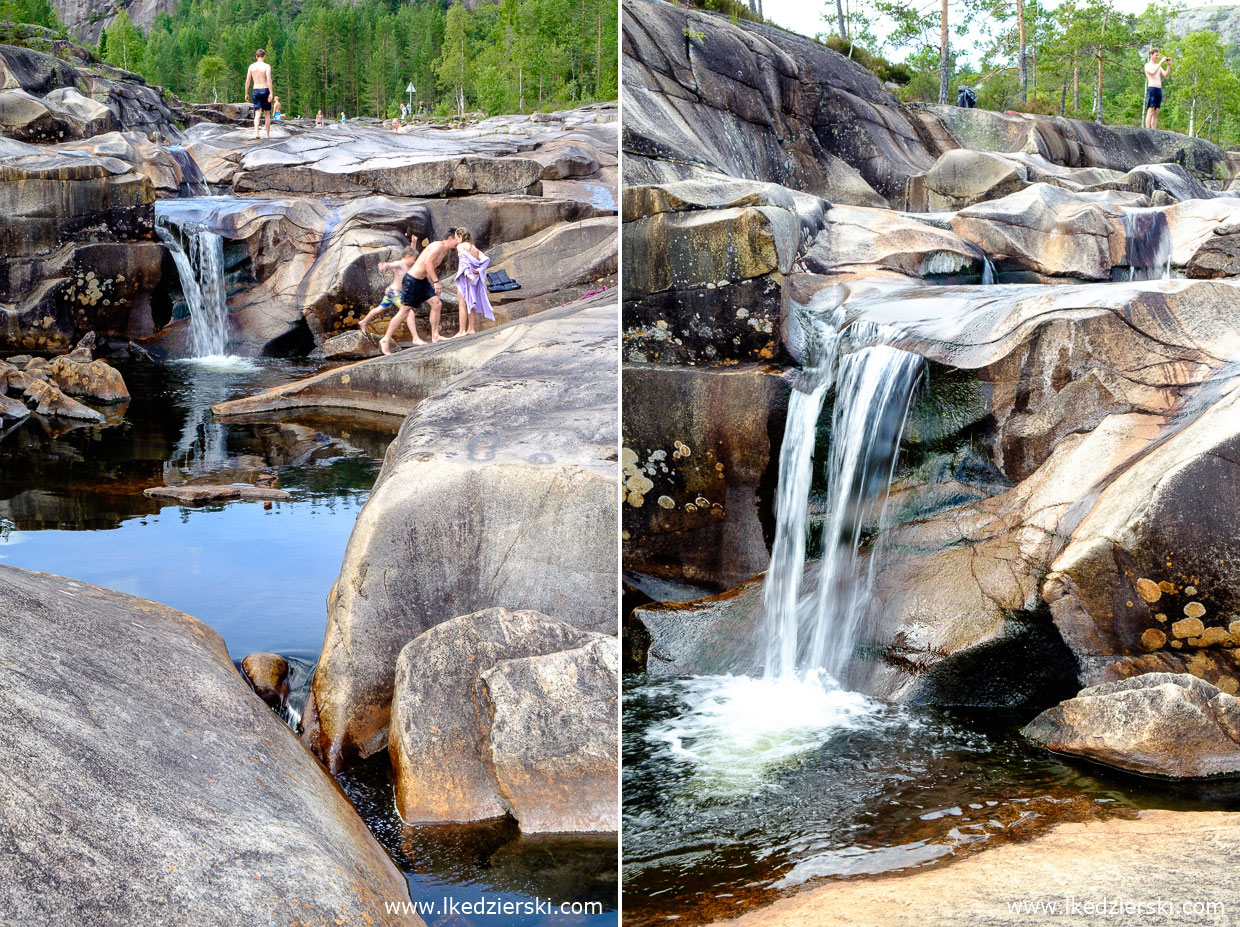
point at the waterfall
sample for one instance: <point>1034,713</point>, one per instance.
<point>1147,244</point>
<point>199,257</point>
<point>988,271</point>
<point>874,383</point>
<point>192,181</point>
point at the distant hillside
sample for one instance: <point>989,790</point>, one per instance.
<point>85,19</point>
<point>1223,21</point>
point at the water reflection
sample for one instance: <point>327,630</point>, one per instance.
<point>490,859</point>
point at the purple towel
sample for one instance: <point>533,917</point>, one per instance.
<point>471,284</point>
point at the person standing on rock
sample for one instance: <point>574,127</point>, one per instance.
<point>1155,71</point>
<point>318,120</point>
<point>471,283</point>
<point>421,285</point>
<point>259,75</point>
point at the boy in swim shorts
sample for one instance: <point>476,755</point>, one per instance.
<point>421,285</point>
<point>259,75</point>
<point>391,295</point>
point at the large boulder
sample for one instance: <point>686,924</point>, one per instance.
<point>1218,255</point>
<point>1193,223</point>
<point>706,260</point>
<point>440,722</point>
<point>962,177</point>
<point>866,241</point>
<point>505,485</point>
<point>1150,579</point>
<point>193,796</point>
<point>553,737</point>
<point>764,104</point>
<point>1158,724</point>
<point>75,251</point>
<point>93,379</point>
<point>1076,143</point>
<point>85,96</point>
<point>26,118</point>
<point>1047,229</point>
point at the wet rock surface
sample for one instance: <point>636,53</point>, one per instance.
<point>268,673</point>
<point>207,493</point>
<point>180,760</point>
<point>1157,724</point>
<point>552,739</point>
<point>1078,860</point>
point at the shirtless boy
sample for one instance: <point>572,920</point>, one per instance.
<point>259,75</point>
<point>1155,71</point>
<point>391,295</point>
<point>421,285</point>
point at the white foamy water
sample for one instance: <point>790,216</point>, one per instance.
<point>223,362</point>
<point>736,731</point>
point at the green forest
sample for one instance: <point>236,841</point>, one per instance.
<point>503,56</point>
<point>1079,58</point>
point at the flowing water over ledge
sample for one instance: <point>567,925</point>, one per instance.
<point>738,789</point>
<point>71,503</point>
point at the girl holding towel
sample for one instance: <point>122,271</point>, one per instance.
<point>471,283</point>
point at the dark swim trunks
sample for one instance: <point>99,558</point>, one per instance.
<point>414,291</point>
<point>1153,97</point>
<point>262,99</point>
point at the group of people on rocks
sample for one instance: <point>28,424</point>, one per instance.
<point>415,282</point>
<point>415,274</point>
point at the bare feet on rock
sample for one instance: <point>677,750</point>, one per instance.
<point>385,344</point>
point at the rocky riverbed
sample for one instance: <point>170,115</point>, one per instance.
<point>159,262</point>
<point>1055,517</point>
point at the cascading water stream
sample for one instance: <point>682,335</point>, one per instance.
<point>873,385</point>
<point>1147,244</point>
<point>198,254</point>
<point>735,729</point>
<point>193,183</point>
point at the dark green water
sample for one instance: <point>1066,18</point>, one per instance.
<point>719,818</point>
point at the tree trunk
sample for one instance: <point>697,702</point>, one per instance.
<point>1076,88</point>
<point>944,63</point>
<point>598,56</point>
<point>1063,98</point>
<point>839,12</point>
<point>1098,93</point>
<point>1098,89</point>
<point>1022,69</point>
<point>1192,117</point>
<point>1033,69</point>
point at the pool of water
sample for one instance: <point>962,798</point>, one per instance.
<point>71,503</point>
<point>490,860</point>
<point>737,791</point>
